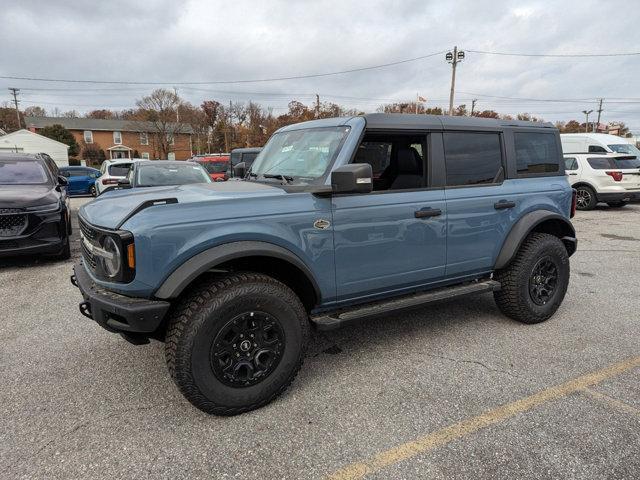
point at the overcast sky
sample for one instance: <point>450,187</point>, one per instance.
<point>207,41</point>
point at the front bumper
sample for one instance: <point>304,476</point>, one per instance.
<point>115,312</point>
<point>44,234</point>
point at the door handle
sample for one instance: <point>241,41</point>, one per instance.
<point>502,204</point>
<point>427,212</point>
<point>572,173</point>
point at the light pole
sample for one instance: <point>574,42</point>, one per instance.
<point>453,58</point>
<point>586,126</point>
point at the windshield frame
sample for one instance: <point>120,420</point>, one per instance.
<point>138,183</point>
<point>320,180</point>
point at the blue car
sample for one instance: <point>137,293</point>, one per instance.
<point>337,220</point>
<point>81,180</point>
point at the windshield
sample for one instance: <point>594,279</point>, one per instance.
<point>155,175</point>
<point>215,167</point>
<point>304,154</point>
<point>625,148</point>
<point>14,172</point>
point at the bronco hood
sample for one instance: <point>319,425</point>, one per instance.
<point>112,208</point>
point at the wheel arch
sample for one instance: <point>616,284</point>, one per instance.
<point>541,221</point>
<point>255,256</point>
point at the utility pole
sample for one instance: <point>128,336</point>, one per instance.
<point>586,126</point>
<point>473,105</point>
<point>317,106</point>
<point>15,91</point>
<point>599,113</point>
<point>453,58</point>
<point>175,92</point>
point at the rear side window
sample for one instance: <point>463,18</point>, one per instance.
<point>536,153</point>
<point>599,163</point>
<point>472,158</point>
<point>626,162</point>
<point>570,163</point>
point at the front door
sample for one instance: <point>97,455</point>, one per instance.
<point>392,239</point>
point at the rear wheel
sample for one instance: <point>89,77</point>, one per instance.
<point>92,190</point>
<point>236,342</point>
<point>618,204</point>
<point>535,282</point>
<point>585,198</point>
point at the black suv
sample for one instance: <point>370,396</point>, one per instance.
<point>34,207</point>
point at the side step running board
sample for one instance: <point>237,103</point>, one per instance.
<point>336,319</point>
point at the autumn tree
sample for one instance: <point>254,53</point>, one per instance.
<point>9,120</point>
<point>101,114</point>
<point>35,111</point>
<point>61,134</point>
<point>160,109</point>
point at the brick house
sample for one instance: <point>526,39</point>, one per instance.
<point>121,138</point>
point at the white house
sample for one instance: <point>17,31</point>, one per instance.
<point>24,141</point>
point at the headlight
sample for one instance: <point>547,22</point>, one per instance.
<point>111,259</point>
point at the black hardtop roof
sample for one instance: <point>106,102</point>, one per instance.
<point>379,121</point>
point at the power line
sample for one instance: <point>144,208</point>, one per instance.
<point>221,82</point>
<point>555,55</point>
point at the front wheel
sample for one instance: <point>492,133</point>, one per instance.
<point>236,342</point>
<point>535,282</point>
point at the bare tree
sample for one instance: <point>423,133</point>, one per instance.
<point>159,111</point>
<point>35,111</point>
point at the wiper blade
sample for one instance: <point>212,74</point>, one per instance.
<point>286,178</point>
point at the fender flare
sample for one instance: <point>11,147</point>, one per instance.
<point>524,226</point>
<point>182,276</point>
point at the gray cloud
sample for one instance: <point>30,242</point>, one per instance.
<point>157,40</point>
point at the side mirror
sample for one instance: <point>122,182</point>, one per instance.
<point>62,181</point>
<point>353,178</point>
<point>240,170</point>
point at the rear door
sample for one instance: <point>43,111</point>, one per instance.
<point>573,169</point>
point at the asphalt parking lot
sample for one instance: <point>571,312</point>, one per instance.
<point>454,390</point>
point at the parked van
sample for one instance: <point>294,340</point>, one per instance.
<point>597,143</point>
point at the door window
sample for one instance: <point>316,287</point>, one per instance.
<point>473,158</point>
<point>570,163</point>
<point>596,149</point>
<point>398,162</point>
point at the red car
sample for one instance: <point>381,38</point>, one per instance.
<point>217,166</point>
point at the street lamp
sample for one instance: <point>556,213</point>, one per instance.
<point>586,126</point>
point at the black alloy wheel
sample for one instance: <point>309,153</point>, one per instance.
<point>247,349</point>
<point>543,281</point>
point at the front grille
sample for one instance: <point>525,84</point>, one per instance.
<point>89,232</point>
<point>12,222</point>
<point>88,257</point>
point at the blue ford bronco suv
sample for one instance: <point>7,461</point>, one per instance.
<point>337,220</point>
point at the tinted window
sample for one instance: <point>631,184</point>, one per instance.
<point>215,167</point>
<point>77,173</point>
<point>536,153</point>
<point>596,149</point>
<point>570,163</point>
<point>599,163</point>
<point>376,154</point>
<point>472,158</point>
<point>236,158</point>
<point>248,158</point>
<point>151,175</point>
<point>119,170</point>
<point>626,162</point>
<point>22,173</point>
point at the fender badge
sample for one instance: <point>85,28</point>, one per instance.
<point>321,224</point>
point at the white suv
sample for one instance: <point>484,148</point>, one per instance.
<point>112,171</point>
<point>610,178</point>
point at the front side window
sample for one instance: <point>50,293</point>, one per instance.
<point>117,138</point>
<point>473,158</point>
<point>154,174</point>
<point>536,153</point>
<point>596,149</point>
<point>304,154</point>
<point>88,136</point>
<point>144,138</point>
<point>14,172</point>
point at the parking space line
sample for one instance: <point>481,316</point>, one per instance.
<point>471,425</point>
<point>612,402</point>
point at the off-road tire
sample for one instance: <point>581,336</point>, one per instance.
<point>514,298</point>
<point>587,191</point>
<point>199,316</point>
<point>618,204</point>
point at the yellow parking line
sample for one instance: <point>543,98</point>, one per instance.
<point>613,402</point>
<point>465,427</point>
